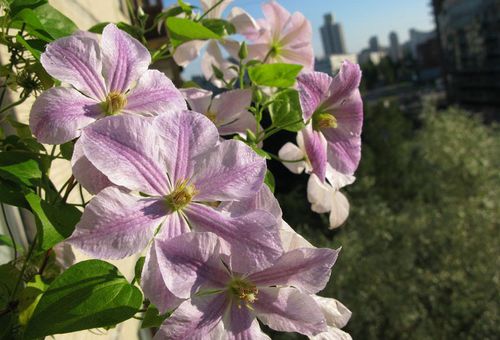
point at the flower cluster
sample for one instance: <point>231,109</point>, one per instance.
<point>219,254</point>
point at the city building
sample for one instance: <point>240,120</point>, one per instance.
<point>469,35</point>
<point>332,36</point>
<point>367,55</point>
<point>323,65</point>
<point>395,51</point>
<point>373,44</point>
<point>417,38</point>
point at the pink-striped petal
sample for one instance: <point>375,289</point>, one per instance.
<point>184,136</point>
<point>174,225</point>
<point>263,200</point>
<point>124,59</point>
<point>344,84</point>
<point>244,23</point>
<point>153,95</point>
<point>125,149</point>
<point>86,173</point>
<point>76,60</point>
<point>59,113</point>
<point>228,105</point>
<point>116,224</point>
<point>187,52</point>
<point>253,236</point>
<point>316,149</point>
<point>313,90</point>
<point>241,324</point>
<point>199,100</point>
<point>288,310</point>
<point>307,269</point>
<point>232,171</point>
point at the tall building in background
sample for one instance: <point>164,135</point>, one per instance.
<point>394,47</point>
<point>469,35</point>
<point>332,36</point>
<point>373,44</point>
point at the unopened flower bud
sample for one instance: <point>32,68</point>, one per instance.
<point>243,52</point>
<point>257,95</point>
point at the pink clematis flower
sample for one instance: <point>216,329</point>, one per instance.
<point>106,80</point>
<point>224,302</point>
<point>279,38</point>
<point>228,110</point>
<point>171,172</point>
<point>335,110</point>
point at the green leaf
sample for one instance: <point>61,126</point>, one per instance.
<point>67,150</point>
<point>34,46</point>
<point>260,152</point>
<point>182,30</point>
<point>19,167</point>
<point>269,180</point>
<point>22,130</point>
<point>8,279</point>
<point>219,26</point>
<point>153,318</point>
<point>138,268</point>
<point>18,5</point>
<point>275,75</point>
<point>133,31</point>
<point>55,222</point>
<point>12,194</point>
<point>6,241</point>
<point>286,112</point>
<point>89,294</point>
<point>29,298</point>
<point>54,22</point>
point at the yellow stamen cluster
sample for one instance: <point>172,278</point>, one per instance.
<point>115,102</point>
<point>212,116</point>
<point>244,291</point>
<point>181,196</point>
<point>323,121</point>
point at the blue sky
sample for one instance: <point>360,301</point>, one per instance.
<point>361,19</point>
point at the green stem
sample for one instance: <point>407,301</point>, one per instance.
<point>8,107</point>
<point>209,10</point>
<point>23,269</point>
<point>274,130</point>
<point>10,231</point>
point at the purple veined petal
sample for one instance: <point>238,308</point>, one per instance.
<point>244,23</point>
<point>344,83</point>
<point>344,155</point>
<point>307,269</point>
<point>124,59</point>
<point>187,52</point>
<point>316,149</point>
<point>174,225</point>
<point>332,333</point>
<point>125,149</point>
<point>231,171</point>
<point>59,113</point>
<point>215,13</point>
<point>199,318</point>
<point>254,236</point>
<point>276,16</point>
<point>313,90</point>
<point>199,100</point>
<point>154,94</point>
<point>297,30</point>
<point>243,122</point>
<point>336,314</point>
<point>191,262</point>
<point>153,286</point>
<point>292,240</point>
<point>228,105</point>
<point>263,200</point>
<point>319,194</point>
<point>116,224</point>
<point>339,210</point>
<point>184,135</point>
<point>291,152</point>
<point>240,324</point>
<point>213,57</point>
<point>288,310</point>
<point>86,173</point>
<point>76,60</point>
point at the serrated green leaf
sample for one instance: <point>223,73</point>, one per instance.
<point>274,75</point>
<point>89,294</point>
<point>182,30</point>
<point>286,112</point>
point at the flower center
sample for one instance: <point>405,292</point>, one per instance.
<point>115,102</point>
<point>212,116</point>
<point>275,49</point>
<point>323,121</point>
<point>244,291</point>
<point>181,196</point>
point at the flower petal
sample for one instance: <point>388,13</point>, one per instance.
<point>316,149</point>
<point>244,23</point>
<point>228,105</point>
<point>174,225</point>
<point>191,263</point>
<point>124,58</point>
<point>196,319</point>
<point>332,333</point>
<point>125,149</point>
<point>116,224</point>
<point>59,113</point>
<point>288,310</point>
<point>263,200</point>
<point>86,173</point>
<point>153,285</point>
<point>184,136</point>
<point>243,122</point>
<point>292,240</point>
<point>319,194</point>
<point>254,236</point>
<point>199,100</point>
<point>313,89</point>
<point>216,8</point>
<point>339,211</point>
<point>231,171</point>
<point>240,324</point>
<point>344,83</point>
<point>213,57</point>
<point>154,94</point>
<point>76,60</point>
<point>187,52</point>
<point>292,153</point>
<point>338,180</point>
<point>307,269</point>
<point>336,314</point>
